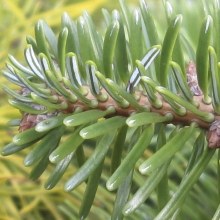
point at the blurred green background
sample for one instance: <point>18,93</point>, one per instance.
<point>24,199</point>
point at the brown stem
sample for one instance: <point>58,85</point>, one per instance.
<point>143,101</point>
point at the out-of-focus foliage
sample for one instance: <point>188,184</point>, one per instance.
<point>19,17</point>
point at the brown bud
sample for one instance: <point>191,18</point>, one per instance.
<point>29,121</point>
<point>192,80</point>
<point>213,135</point>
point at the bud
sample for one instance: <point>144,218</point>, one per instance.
<point>213,135</point>
<point>28,121</point>
<point>192,80</point>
